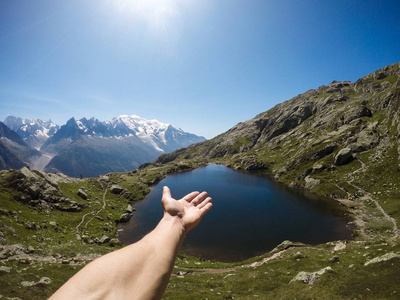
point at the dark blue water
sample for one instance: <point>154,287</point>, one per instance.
<point>250,215</point>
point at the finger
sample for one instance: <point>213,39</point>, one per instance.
<point>204,203</point>
<point>190,197</point>
<point>166,193</point>
<point>206,208</point>
<point>199,198</point>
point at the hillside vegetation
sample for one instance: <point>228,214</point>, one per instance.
<point>339,141</point>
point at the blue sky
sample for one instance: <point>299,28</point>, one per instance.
<point>202,65</point>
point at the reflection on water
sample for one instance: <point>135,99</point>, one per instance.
<point>250,215</point>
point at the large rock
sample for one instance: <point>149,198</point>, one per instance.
<point>104,239</point>
<point>384,257</point>
<point>355,113</point>
<point>310,277</point>
<point>104,178</point>
<point>28,174</point>
<point>364,140</point>
<point>116,189</point>
<point>129,209</point>
<point>81,193</point>
<point>125,217</point>
<point>4,269</point>
<point>44,281</point>
<point>26,284</point>
<point>311,182</point>
<point>323,152</point>
<point>339,246</point>
<point>34,190</point>
<point>51,179</point>
<point>41,189</point>
<point>343,157</point>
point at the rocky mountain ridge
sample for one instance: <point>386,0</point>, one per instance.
<point>361,116</point>
<point>163,137</point>
<point>90,147</point>
<point>34,132</point>
<point>340,141</point>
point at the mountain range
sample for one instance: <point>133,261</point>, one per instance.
<point>340,141</point>
<point>88,147</point>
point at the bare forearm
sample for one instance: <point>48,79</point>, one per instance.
<point>138,271</point>
<point>164,243</point>
<point>141,270</point>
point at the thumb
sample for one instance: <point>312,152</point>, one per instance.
<point>166,193</point>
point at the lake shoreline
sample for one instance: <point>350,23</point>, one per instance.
<point>339,212</point>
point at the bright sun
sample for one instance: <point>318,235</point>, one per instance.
<point>157,14</point>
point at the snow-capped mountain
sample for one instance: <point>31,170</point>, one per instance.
<point>160,136</point>
<point>14,152</point>
<point>34,132</point>
<point>163,137</point>
<point>90,147</point>
<point>141,127</point>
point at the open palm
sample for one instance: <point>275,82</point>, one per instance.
<point>190,209</point>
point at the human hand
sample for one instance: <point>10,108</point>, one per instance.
<point>189,210</point>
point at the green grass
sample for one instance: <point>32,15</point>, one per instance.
<point>240,143</point>
<point>271,280</point>
<point>327,189</point>
<point>11,282</point>
<point>392,79</point>
<point>350,279</point>
<point>381,181</point>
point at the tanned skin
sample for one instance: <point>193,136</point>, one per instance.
<point>141,270</point>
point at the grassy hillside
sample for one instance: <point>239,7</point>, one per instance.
<point>340,141</point>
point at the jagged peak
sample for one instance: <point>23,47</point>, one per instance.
<point>71,120</point>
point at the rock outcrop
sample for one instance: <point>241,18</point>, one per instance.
<point>385,257</point>
<point>40,189</point>
<point>310,277</point>
<point>328,126</point>
<point>343,157</point>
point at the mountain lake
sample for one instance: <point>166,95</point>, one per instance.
<point>250,215</point>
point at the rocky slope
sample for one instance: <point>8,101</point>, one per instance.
<point>340,140</point>
<point>361,116</point>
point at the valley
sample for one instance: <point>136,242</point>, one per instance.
<point>339,141</point>
<point>41,162</point>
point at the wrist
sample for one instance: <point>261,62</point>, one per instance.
<point>174,223</point>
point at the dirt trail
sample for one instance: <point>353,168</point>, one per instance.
<point>274,256</point>
<point>93,213</point>
<point>368,197</point>
<point>192,271</point>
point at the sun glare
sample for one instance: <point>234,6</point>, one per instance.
<point>158,15</point>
